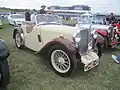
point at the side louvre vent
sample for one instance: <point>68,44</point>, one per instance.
<point>39,38</point>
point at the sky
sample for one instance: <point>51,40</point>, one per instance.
<point>103,6</point>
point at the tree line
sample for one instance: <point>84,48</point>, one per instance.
<point>15,10</point>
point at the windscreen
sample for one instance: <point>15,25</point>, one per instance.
<point>90,20</point>
<point>18,16</point>
<point>48,19</point>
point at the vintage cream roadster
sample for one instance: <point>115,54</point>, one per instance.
<point>66,46</point>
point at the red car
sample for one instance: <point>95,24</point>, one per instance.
<point>111,36</point>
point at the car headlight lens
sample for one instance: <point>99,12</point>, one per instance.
<point>76,38</point>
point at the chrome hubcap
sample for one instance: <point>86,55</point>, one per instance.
<point>18,40</point>
<point>60,61</point>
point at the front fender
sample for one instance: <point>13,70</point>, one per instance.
<point>99,39</point>
<point>19,29</point>
<point>101,32</point>
<point>69,45</point>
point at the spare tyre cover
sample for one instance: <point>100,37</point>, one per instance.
<point>4,52</point>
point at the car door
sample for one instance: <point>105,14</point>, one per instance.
<point>32,37</point>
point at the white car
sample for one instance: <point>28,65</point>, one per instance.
<point>16,19</point>
<point>65,46</point>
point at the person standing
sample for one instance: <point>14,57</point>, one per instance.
<point>33,17</point>
<point>27,16</point>
<point>42,10</point>
<point>110,18</point>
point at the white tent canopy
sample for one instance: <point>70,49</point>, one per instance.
<point>87,14</point>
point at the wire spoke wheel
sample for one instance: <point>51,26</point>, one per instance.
<point>60,61</point>
<point>18,40</point>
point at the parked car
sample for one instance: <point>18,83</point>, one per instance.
<point>111,36</point>
<point>4,67</point>
<point>97,25</point>
<point>16,19</point>
<point>64,45</point>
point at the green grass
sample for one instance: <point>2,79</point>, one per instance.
<point>31,72</point>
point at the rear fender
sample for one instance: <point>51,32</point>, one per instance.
<point>69,45</point>
<point>19,30</point>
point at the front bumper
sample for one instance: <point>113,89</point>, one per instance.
<point>90,60</point>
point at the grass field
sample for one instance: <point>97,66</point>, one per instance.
<point>31,72</point>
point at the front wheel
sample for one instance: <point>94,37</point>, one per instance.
<point>98,49</point>
<point>106,43</point>
<point>62,61</point>
<point>4,74</point>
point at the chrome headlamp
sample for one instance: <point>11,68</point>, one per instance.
<point>76,38</point>
<point>94,34</point>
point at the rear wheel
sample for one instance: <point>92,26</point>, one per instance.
<point>63,62</point>
<point>18,40</point>
<point>4,74</point>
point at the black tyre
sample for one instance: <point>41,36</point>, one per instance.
<point>98,49</point>
<point>62,61</point>
<point>106,43</point>
<point>18,40</point>
<point>5,75</point>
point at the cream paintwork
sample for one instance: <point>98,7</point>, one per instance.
<point>31,40</point>
<point>47,33</point>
